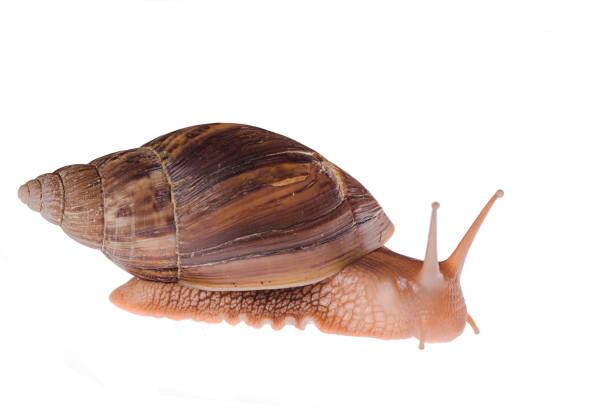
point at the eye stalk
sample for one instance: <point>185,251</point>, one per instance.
<point>430,274</point>
<point>454,264</point>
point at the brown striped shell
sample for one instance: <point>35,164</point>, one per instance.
<point>219,206</point>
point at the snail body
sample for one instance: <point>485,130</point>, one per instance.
<point>228,221</point>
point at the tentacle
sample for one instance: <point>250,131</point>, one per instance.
<point>454,264</point>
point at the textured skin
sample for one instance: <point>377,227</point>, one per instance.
<point>377,296</point>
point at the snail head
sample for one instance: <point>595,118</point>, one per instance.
<point>441,310</point>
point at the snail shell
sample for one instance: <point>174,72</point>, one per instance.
<point>218,206</point>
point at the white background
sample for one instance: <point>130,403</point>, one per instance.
<point>420,101</point>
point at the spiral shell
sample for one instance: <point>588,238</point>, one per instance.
<point>220,206</point>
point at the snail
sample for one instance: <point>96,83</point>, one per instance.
<point>233,222</point>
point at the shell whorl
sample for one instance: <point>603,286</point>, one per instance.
<point>70,197</point>
<point>119,203</point>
